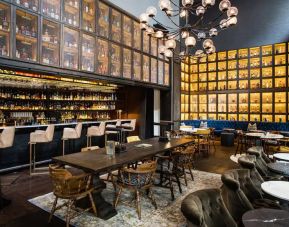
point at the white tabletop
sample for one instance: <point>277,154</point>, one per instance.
<point>272,136</point>
<point>255,134</point>
<point>191,130</point>
<point>278,189</point>
<point>282,156</point>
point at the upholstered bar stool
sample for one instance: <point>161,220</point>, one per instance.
<point>95,131</point>
<point>129,127</point>
<point>71,133</point>
<point>6,140</point>
<point>108,130</point>
<point>39,136</point>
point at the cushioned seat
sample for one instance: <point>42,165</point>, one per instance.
<point>227,139</point>
<point>206,208</point>
<point>284,149</point>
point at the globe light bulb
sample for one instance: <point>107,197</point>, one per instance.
<point>159,34</point>
<point>208,43</point>
<point>232,11</point>
<point>171,44</point>
<point>150,30</point>
<point>213,32</point>
<point>224,5</point>
<point>185,34</point>
<point>199,52</point>
<point>232,21</point>
<point>201,35</point>
<point>182,54</point>
<point>200,10</point>
<point>151,11</point>
<point>223,23</point>
<point>162,49</point>
<point>207,3</point>
<point>164,5</point>
<point>168,53</point>
<point>143,26</point>
<point>183,13</point>
<point>187,3</point>
<point>144,18</point>
<point>169,12</point>
<point>190,41</point>
<point>211,50</point>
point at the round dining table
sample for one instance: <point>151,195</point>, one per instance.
<point>280,168</point>
<point>277,189</point>
<point>265,217</point>
<point>281,157</point>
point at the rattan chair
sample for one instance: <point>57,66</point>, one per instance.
<point>71,188</point>
<point>141,178</point>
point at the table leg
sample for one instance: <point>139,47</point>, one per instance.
<point>3,202</point>
<point>104,209</point>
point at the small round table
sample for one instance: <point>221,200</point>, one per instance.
<point>277,189</point>
<point>281,156</point>
<point>266,218</point>
<point>254,134</point>
<point>271,136</point>
<point>279,167</point>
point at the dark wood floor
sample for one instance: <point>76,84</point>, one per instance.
<point>20,187</point>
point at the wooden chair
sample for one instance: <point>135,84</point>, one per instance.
<point>203,141</point>
<point>70,188</point>
<point>212,138</point>
<point>141,178</point>
<point>241,142</point>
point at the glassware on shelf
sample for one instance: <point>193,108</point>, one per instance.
<point>267,83</point>
<point>87,53</point>
<point>222,85</point>
<point>254,51</point>
<point>222,65</point>
<point>70,48</point>
<point>254,84</point>
<point>71,12</point>
<point>50,43</point>
<point>267,61</point>
<point>232,75</point>
<point>267,118</point>
<point>136,36</point>
<point>115,60</point>
<point>88,15</point>
<point>280,118</point>
<point>136,66</point>
<point>103,20</point>
<point>194,87</point>
<point>203,59</point>
<point>212,117</point>
<point>222,56</point>
<point>212,67</point>
<point>212,76</point>
<point>243,117</point>
<point>254,117</point>
<point>5,20</point>
<point>127,30</point>
<point>267,72</point>
<point>254,62</point>
<point>101,57</point>
<point>161,72</point>
<point>116,26</point>
<point>243,53</point>
<point>280,102</point>
<point>29,4</point>
<point>255,103</point>
<point>194,68</point>
<point>243,103</point>
<point>267,50</point>
<point>211,57</point>
<point>232,54</point>
<point>232,64</point>
<point>232,103</point>
<point>243,84</point>
<point>232,117</point>
<point>280,59</point>
<point>280,82</point>
<point>126,63</point>
<point>280,48</point>
<point>202,67</point>
<point>51,8</point>
<point>243,74</point>
<point>222,75</point>
<point>154,70</point>
<point>243,63</point>
<point>280,71</point>
<point>232,85</point>
<point>212,86</point>
<point>26,36</point>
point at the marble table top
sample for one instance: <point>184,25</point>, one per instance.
<point>277,189</point>
<point>266,218</point>
<point>191,130</point>
<point>279,167</point>
<point>254,134</point>
<point>281,156</point>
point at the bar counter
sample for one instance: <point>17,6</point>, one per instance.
<point>17,156</point>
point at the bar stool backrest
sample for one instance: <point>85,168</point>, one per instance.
<point>132,124</point>
<point>7,137</point>
<point>78,129</point>
<point>101,128</point>
<point>50,132</point>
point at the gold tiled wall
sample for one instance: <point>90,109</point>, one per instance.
<point>249,84</point>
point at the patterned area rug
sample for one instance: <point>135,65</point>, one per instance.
<point>167,214</point>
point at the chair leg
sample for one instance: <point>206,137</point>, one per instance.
<point>87,139</point>
<point>171,188</point>
<point>138,207</point>
<point>179,183</point>
<point>63,147</point>
<point>30,158</point>
<point>92,203</point>
<point>192,176</point>
<point>53,209</point>
<point>185,176</point>
<point>117,197</point>
<point>151,196</point>
<point>34,151</point>
<point>69,205</point>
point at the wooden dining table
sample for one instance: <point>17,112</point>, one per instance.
<point>97,162</point>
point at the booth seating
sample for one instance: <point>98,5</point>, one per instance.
<point>95,131</point>
<point>39,136</point>
<point>207,208</point>
<point>227,139</point>
<point>71,133</point>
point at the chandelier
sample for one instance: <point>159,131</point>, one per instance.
<point>192,29</point>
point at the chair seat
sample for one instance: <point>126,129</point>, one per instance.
<point>70,133</point>
<point>110,132</point>
<point>39,136</point>
<point>93,131</point>
<point>84,149</point>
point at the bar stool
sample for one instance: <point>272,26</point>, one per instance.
<point>108,132</point>
<point>39,136</point>
<point>71,133</point>
<point>95,131</point>
<point>129,127</point>
<point>6,140</point>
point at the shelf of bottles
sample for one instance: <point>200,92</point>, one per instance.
<point>50,43</point>
<point>70,48</point>
<point>5,24</point>
<point>66,34</point>
<point>248,84</point>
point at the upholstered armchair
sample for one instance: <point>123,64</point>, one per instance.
<point>206,208</point>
